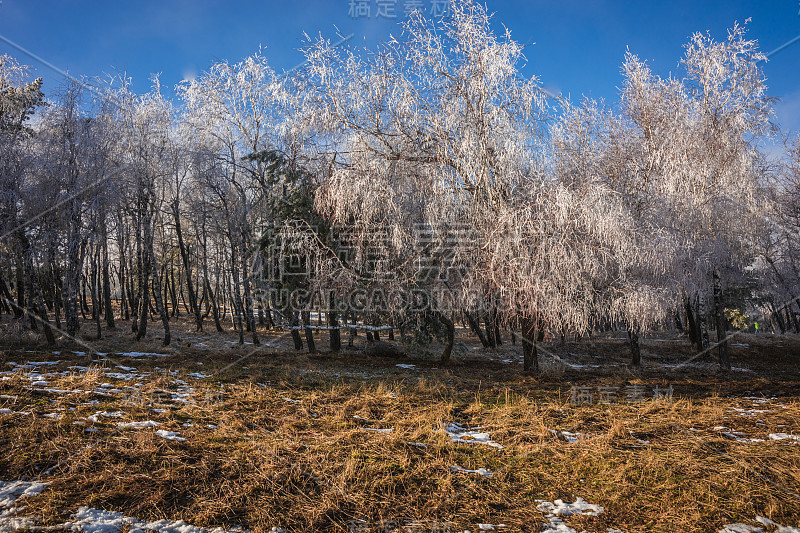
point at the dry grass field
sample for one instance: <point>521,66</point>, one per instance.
<point>221,435</point>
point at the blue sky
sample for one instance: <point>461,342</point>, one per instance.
<point>574,47</point>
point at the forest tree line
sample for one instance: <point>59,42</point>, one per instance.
<point>430,177</point>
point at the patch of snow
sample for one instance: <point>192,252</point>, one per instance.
<point>740,528</point>
<point>96,417</point>
<point>783,436</point>
<point>406,366</point>
<point>560,508</point>
<point>481,471</point>
<point>750,412</point>
<point>6,411</point>
<point>458,433</point>
<point>138,425</point>
<point>169,435</point>
<point>739,438</point>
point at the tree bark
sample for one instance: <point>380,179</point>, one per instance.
<point>195,308</point>
<point>530,356</point>
<point>476,329</point>
<point>719,316</point>
<point>449,339</point>
<point>636,351</point>
<point>333,323</point>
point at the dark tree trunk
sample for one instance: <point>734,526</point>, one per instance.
<point>678,324</point>
<point>312,346</point>
<point>719,318</point>
<point>35,294</point>
<point>489,327</point>
<point>496,322</point>
<point>143,296</point>
<point>476,329</point>
<point>159,303</point>
<point>694,336</point>
<point>213,303</point>
<point>333,323</point>
<point>187,267</point>
<point>636,352</point>
<point>19,312</point>
<point>107,308</point>
<point>700,315</point>
<point>291,313</point>
<point>530,356</point>
<point>449,338</point>
<point>94,283</point>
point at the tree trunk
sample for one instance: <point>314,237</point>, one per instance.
<point>157,296</point>
<point>20,272</point>
<point>143,297</point>
<point>35,295</point>
<point>719,317</point>
<point>333,323</point>
<point>291,313</point>
<point>187,267</point>
<point>312,346</point>
<point>700,316</point>
<point>694,336</point>
<point>450,337</point>
<point>489,327</point>
<point>636,352</point>
<point>213,303</point>
<point>94,283</point>
<point>107,308</point>
<point>476,329</point>
<point>248,296</point>
<point>530,356</point>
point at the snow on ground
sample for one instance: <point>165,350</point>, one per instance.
<point>6,411</point>
<point>406,366</point>
<point>86,519</point>
<point>96,417</point>
<point>10,492</point>
<point>560,508</point>
<point>98,521</point>
<point>738,436</point>
<point>459,433</point>
<point>783,436</point>
<point>169,435</point>
<point>481,471</point>
<point>747,528</point>
<point>138,425</point>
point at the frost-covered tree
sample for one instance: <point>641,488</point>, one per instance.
<point>699,141</point>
